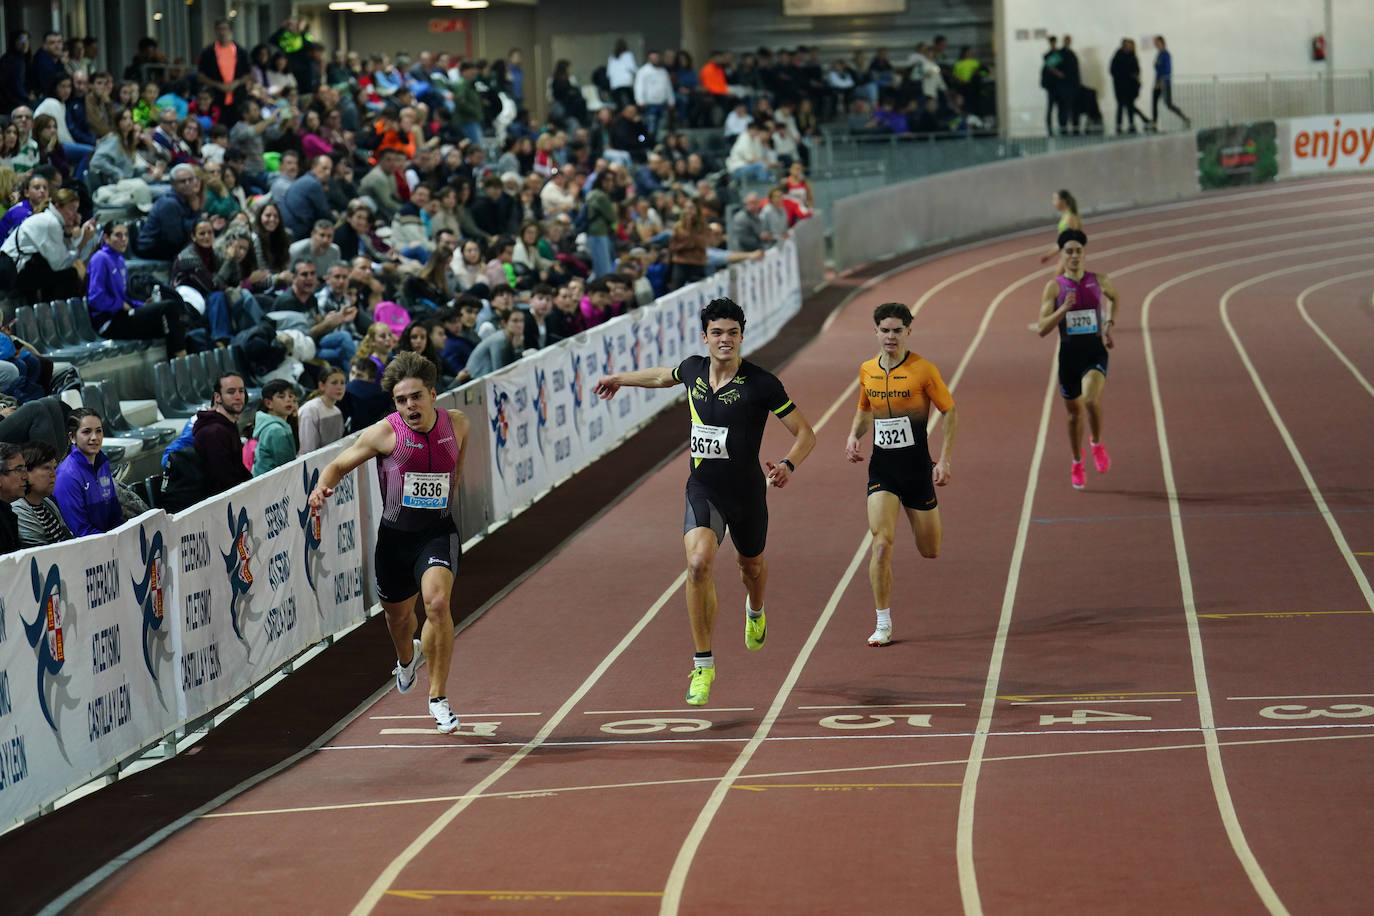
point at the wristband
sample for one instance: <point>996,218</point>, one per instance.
<point>790,466</point>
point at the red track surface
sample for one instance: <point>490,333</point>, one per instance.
<point>1150,696</point>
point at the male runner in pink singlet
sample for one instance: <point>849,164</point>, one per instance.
<point>420,458</point>
<point>1073,303</point>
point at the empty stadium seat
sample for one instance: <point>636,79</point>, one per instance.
<point>165,389</point>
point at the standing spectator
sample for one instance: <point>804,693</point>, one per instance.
<point>85,489</point>
<point>467,103</point>
<point>40,519</point>
<point>568,106</point>
<point>1164,84</point>
<point>653,93</point>
<point>14,72</point>
<point>1051,77</point>
<point>49,266</point>
<point>1070,87</point>
<point>48,62</point>
<point>601,220</point>
<point>1125,69</point>
<point>216,438</point>
<point>225,68</point>
<point>14,480</point>
<point>114,315</point>
<point>272,428</point>
<point>688,247</point>
<point>515,76</point>
<point>167,228</point>
<point>620,74</point>
<point>320,420</point>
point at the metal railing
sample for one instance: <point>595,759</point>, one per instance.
<point>1218,101</point>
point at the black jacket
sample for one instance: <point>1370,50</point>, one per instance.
<point>9,529</point>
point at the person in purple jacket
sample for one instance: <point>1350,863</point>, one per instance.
<point>85,490</point>
<point>113,314</point>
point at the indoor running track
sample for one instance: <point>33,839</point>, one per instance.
<point>1153,695</point>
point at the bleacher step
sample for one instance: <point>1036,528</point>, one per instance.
<point>140,411</point>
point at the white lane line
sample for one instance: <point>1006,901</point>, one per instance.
<point>1094,702</point>
<point>963,842</point>
<point>464,715</point>
<point>1337,534</point>
<point>886,706</point>
<point>694,710</point>
<point>677,875</point>
<point>1311,696</point>
<point>1302,310</point>
<point>1216,772</point>
<point>558,790</point>
<point>393,870</point>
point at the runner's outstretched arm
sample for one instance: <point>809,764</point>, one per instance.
<point>803,441</point>
<point>657,377</point>
<point>372,442</point>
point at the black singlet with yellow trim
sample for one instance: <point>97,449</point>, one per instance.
<point>741,407</point>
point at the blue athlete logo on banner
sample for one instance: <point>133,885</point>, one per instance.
<point>150,593</point>
<point>48,635</point>
<point>576,380</point>
<point>541,406</point>
<point>238,567</point>
<point>309,519</point>
<point>500,430</point>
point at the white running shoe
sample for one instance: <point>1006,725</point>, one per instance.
<point>881,636</point>
<point>405,674</point>
<point>444,718</point>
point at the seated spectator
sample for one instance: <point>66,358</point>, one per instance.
<point>381,184</point>
<point>746,226</point>
<point>272,428</point>
<point>364,402</point>
<point>470,268</point>
<point>410,233</point>
<point>738,120</point>
<point>318,248</point>
<point>271,250</point>
<point>749,158</point>
<point>85,488</point>
<point>537,317</point>
<point>221,183</point>
<point>565,319</point>
<point>34,191</point>
<point>320,420</point>
<point>65,110</point>
<point>204,110</point>
<point>118,156</point>
<point>14,475</point>
<point>40,520</point>
<point>288,169</point>
<point>200,272</point>
<point>377,345</point>
<point>598,306</point>
<point>498,350</point>
<point>22,370</point>
<point>305,202</point>
<point>49,266</point>
<point>216,438</point>
<point>24,153</point>
<point>50,151</point>
<point>495,212</point>
<point>434,285</point>
<point>167,229</point>
<point>113,313</point>
<point>297,309</point>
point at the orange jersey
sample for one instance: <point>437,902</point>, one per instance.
<point>905,391</point>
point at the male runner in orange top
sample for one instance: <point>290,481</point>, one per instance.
<point>896,391</point>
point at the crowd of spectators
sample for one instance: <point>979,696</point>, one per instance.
<point>319,214</point>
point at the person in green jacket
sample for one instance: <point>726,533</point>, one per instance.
<point>276,441</point>
<point>467,104</point>
<point>601,217</point>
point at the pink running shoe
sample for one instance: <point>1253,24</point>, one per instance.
<point>1078,477</point>
<point>1101,459</point>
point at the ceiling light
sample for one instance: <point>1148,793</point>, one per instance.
<point>371,8</point>
<point>462,4</point>
<point>347,5</point>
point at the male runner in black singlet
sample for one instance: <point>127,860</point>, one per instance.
<point>730,399</point>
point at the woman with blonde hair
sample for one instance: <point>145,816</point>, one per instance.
<point>377,345</point>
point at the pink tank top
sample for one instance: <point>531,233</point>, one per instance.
<point>413,505</point>
<point>1083,322</point>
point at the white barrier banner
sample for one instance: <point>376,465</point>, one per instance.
<point>558,441</point>
<point>331,542</point>
<point>75,692</point>
<point>1327,143</point>
<point>516,468</point>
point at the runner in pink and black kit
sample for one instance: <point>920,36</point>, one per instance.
<point>1082,305</point>
<point>420,458</point>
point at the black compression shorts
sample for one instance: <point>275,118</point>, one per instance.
<point>1076,362</point>
<point>746,516</point>
<point>909,479</point>
<point>403,556</point>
